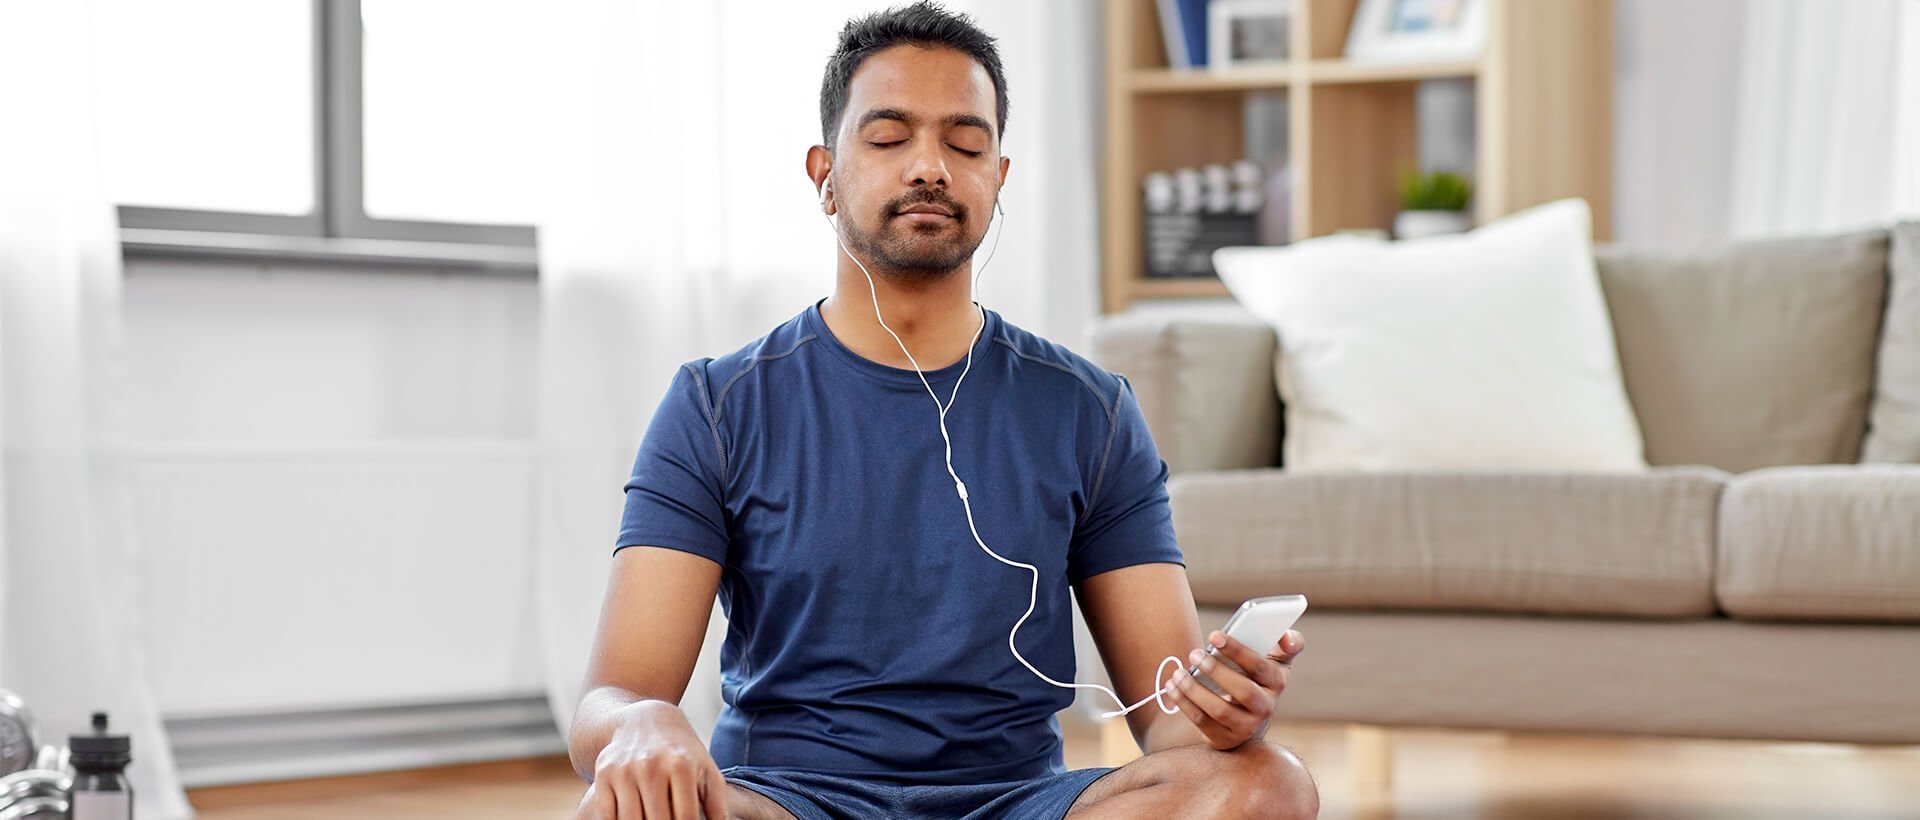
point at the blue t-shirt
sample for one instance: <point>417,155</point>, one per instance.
<point>867,631</point>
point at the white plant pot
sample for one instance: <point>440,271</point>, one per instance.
<point>1416,224</point>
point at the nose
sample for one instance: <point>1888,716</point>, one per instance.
<point>927,167</point>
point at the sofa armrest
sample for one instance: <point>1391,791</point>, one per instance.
<point>1205,380</point>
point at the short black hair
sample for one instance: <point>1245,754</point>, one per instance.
<point>923,24</point>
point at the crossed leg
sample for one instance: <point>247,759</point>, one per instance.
<point>746,804</point>
<point>1258,780</point>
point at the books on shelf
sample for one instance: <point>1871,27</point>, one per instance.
<point>1183,27</point>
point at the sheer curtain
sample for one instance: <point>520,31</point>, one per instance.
<point>67,640</point>
<point>680,223</point>
<point>1827,134</point>
<point>1906,124</point>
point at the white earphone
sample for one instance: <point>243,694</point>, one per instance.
<point>960,487</point>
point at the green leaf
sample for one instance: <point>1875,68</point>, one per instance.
<point>1434,191</point>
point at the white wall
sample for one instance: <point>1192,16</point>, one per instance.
<point>1676,80</point>
<point>332,485</point>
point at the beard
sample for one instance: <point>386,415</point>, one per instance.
<point>913,251</point>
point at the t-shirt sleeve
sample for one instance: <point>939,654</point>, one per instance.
<point>675,498</point>
<point>1128,521</point>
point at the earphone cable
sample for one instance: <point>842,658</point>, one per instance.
<point>1033,595</point>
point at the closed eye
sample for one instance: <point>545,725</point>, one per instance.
<point>967,152</point>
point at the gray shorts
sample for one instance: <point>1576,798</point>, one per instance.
<point>816,796</point>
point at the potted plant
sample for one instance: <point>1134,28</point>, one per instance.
<point>1432,203</point>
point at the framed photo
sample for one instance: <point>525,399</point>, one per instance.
<point>1243,33</point>
<point>1404,30</point>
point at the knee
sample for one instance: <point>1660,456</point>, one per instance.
<point>1269,782</point>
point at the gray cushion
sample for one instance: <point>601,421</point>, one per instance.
<point>1753,355</point>
<point>1204,378</point>
<point>1822,543</point>
<point>1893,432</point>
<point>1613,544</point>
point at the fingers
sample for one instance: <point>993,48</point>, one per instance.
<point>655,802</point>
<point>597,804</point>
<point>680,796</point>
<point>1217,735</point>
<point>1264,670</point>
<point>625,792</point>
<point>713,788</point>
<point>683,787</point>
<point>1233,717</point>
<point>1239,689</point>
<point>1291,645</point>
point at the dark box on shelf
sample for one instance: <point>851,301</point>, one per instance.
<point>1179,246</point>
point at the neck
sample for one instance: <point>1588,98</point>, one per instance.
<point>936,319</point>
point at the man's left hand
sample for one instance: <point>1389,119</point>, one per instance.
<point>1242,713</point>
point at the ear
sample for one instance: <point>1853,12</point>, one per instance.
<point>1005,163</point>
<point>820,170</point>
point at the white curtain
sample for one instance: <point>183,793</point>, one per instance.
<point>680,223</point>
<point>1906,125</point>
<point>1827,136</point>
<point>68,645</point>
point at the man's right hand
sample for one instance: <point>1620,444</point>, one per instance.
<point>654,768</point>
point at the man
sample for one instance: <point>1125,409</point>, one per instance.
<point>804,479</point>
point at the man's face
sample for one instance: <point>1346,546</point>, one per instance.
<point>917,166</point>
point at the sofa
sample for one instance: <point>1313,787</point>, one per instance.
<point>1756,580</point>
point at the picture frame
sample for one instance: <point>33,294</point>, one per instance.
<point>1417,30</point>
<point>1245,33</point>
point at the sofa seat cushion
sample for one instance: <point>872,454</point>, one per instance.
<point>1825,543</point>
<point>1633,544</point>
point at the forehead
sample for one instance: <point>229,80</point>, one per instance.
<point>931,82</point>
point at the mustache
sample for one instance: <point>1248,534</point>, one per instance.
<point>927,196</point>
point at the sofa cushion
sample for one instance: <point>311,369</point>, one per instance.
<point>1893,428</point>
<point>1204,378</point>
<point>1636,544</point>
<point>1753,355</point>
<point>1822,543</point>
<point>1498,338</point>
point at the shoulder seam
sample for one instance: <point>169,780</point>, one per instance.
<point>720,400</point>
<point>1110,407</point>
<point>713,418</point>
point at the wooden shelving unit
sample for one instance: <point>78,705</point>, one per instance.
<point>1543,92</point>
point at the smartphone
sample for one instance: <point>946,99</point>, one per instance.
<point>1259,623</point>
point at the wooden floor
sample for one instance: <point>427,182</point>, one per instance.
<point>1436,775</point>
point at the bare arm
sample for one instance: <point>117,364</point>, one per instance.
<point>1139,615</point>
<point>1142,614</point>
<point>651,627</point>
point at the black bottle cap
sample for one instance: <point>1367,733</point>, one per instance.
<point>100,751</point>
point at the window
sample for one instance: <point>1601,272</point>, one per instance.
<point>183,127</point>
<point>362,119</point>
<point>442,134</point>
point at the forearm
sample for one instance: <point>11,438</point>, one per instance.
<point>600,714</point>
<point>1170,732</point>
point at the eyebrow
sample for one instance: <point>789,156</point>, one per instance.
<point>897,115</point>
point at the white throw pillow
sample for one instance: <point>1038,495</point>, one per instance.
<point>1489,350</point>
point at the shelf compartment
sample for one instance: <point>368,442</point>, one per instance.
<point>1361,138</point>
<point>1184,131</point>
